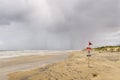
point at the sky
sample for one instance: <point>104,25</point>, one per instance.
<point>58,24</point>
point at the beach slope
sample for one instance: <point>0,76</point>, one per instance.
<point>103,66</point>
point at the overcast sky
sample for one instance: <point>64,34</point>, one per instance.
<point>58,24</point>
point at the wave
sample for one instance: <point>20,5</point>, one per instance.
<point>9,54</point>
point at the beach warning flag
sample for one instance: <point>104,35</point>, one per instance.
<point>90,43</point>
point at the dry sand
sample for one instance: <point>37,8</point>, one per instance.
<point>103,66</point>
<point>11,65</point>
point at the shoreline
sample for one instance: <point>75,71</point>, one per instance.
<point>21,63</point>
<point>13,54</point>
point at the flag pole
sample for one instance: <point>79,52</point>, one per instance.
<point>88,61</point>
<point>89,53</point>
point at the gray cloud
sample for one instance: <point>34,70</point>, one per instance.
<point>58,24</point>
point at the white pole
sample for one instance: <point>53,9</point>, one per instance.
<point>88,60</point>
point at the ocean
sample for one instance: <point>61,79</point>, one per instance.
<point>10,54</point>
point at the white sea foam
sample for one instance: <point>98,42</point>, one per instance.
<point>9,54</point>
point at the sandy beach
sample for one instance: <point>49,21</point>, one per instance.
<point>103,66</point>
<point>10,65</point>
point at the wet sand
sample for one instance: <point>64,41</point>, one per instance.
<point>11,65</point>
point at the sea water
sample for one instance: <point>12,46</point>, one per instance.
<point>9,54</point>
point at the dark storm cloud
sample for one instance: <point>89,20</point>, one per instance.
<point>58,24</point>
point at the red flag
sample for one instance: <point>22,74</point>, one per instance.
<point>90,43</point>
<point>88,48</point>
